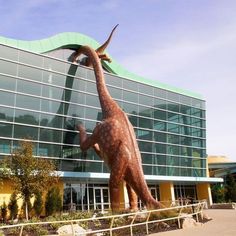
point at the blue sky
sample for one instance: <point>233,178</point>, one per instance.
<point>186,43</point>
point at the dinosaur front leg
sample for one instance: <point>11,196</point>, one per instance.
<point>85,141</point>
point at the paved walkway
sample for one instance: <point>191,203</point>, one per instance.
<point>223,223</point>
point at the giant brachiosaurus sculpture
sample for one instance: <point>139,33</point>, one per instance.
<point>114,140</point>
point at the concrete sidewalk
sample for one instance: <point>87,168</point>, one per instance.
<point>223,223</point>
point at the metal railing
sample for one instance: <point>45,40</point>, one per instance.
<point>140,218</point>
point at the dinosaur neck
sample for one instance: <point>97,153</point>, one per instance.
<point>108,105</point>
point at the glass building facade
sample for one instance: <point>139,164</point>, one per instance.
<point>43,97</point>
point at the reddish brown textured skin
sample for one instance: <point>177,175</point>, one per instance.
<point>115,142</point>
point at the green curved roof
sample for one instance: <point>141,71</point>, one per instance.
<point>73,40</point>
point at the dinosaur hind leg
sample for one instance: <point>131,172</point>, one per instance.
<point>133,199</point>
<point>118,168</point>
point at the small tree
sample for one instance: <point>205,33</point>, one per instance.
<point>218,193</point>
<point>230,188</point>
<point>38,204</point>
<point>29,174</point>
<point>53,203</point>
<point>13,206</point>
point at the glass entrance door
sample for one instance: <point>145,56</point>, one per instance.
<point>101,198</point>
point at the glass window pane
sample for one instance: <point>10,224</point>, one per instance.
<point>146,89</point>
<point>28,87</point>
<point>90,75</point>
<point>6,114</point>
<point>77,97</point>
<point>173,128</point>
<point>159,114</point>
<point>146,100</point>
<point>133,120</point>
<point>161,93</point>
<point>8,68</point>
<point>113,80</point>
<point>56,79</point>
<point>160,125</point>
<point>5,146</point>
<point>74,111</point>
<point>115,93</point>
<point>49,150</point>
<point>130,97</point>
<point>92,113</point>
<point>7,98</point>
<point>54,121</point>
<point>185,99</point>
<point>130,85</point>
<point>91,87</point>
<point>53,65</point>
<point>145,123</point>
<point>160,148</point>
<point>81,72</point>
<point>26,117</point>
<point>173,149</point>
<point>144,134</point>
<point>92,100</point>
<point>8,83</point>
<point>30,58</point>
<point>145,146</point>
<point>9,53</point>
<point>27,102</point>
<point>52,92</point>
<point>173,117</point>
<point>130,108</point>
<point>185,109</point>
<point>30,73</point>
<point>159,103</point>
<point>50,135</point>
<point>146,111</point>
<point>25,132</point>
<point>160,137</point>
<point>173,138</point>
<point>6,129</point>
<point>171,106</point>
<point>52,106</point>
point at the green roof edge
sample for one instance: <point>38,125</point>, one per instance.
<point>72,38</point>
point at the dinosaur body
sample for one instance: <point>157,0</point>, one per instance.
<point>115,141</point>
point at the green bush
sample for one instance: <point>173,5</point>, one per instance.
<point>38,204</point>
<point>13,207</point>
<point>218,193</point>
<point>4,212</point>
<point>53,203</point>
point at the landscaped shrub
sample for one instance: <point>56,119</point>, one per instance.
<point>38,204</point>
<point>4,212</point>
<point>13,206</point>
<point>53,203</point>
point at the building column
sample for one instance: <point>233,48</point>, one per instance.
<point>204,192</point>
<point>167,192</point>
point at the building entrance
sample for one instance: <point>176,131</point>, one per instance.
<point>101,198</point>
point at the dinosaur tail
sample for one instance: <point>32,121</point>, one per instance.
<point>104,45</point>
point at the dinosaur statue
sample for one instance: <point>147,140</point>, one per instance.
<point>100,51</point>
<point>114,140</point>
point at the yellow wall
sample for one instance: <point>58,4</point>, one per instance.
<point>6,190</point>
<point>167,191</point>
<point>204,192</point>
